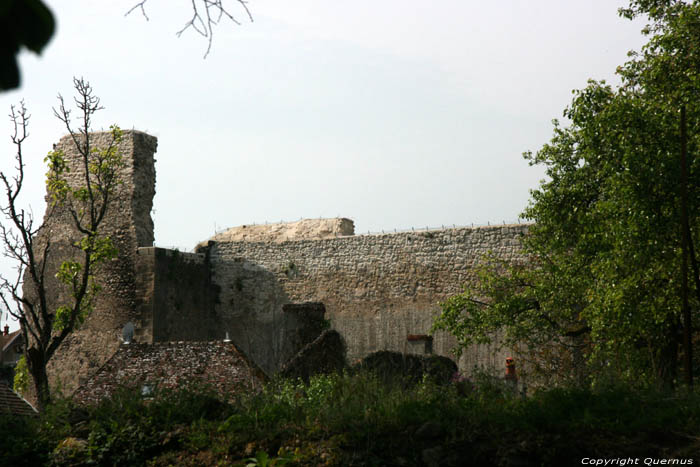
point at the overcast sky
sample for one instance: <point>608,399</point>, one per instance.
<point>396,114</point>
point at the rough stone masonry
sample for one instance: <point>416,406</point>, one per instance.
<point>128,222</point>
<point>380,291</point>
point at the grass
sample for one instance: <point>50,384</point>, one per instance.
<point>360,419</point>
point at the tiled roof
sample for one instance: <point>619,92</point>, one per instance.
<point>13,404</point>
<point>219,365</point>
<point>6,340</point>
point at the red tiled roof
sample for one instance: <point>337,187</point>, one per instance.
<point>13,404</point>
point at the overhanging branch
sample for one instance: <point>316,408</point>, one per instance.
<point>205,15</point>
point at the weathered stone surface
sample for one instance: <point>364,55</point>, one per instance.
<point>255,282</point>
<point>167,295</point>
<point>307,229</point>
<point>307,322</point>
<point>326,354</point>
<point>377,289</point>
<point>176,297</point>
<point>218,365</point>
<point>128,223</point>
<point>252,314</point>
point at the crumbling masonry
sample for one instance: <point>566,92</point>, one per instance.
<point>380,291</point>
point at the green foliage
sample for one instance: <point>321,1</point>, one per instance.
<point>108,161</point>
<point>62,318</point>
<point>104,165</point>
<point>21,380</point>
<point>406,370</point>
<point>263,459</point>
<point>73,318</point>
<point>290,270</point>
<point>80,201</point>
<point>101,248</point>
<point>126,430</point>
<point>121,444</point>
<point>20,444</point>
<point>69,273</point>
<point>187,404</point>
<point>57,186</point>
<point>356,419</point>
<point>603,281</point>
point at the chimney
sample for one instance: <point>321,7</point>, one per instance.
<point>6,331</point>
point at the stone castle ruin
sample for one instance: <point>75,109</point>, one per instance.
<point>265,287</point>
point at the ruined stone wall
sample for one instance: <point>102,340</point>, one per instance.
<point>377,289</point>
<point>251,312</point>
<point>128,222</point>
<point>176,296</point>
<point>303,229</point>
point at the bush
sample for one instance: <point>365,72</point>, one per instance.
<point>407,369</point>
<point>358,419</point>
<point>19,443</point>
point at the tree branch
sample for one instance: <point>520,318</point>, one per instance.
<point>205,15</point>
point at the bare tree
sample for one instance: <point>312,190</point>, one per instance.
<point>80,191</point>
<point>206,14</point>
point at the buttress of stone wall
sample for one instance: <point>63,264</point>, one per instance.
<point>128,222</point>
<point>377,289</point>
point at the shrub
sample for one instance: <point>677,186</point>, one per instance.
<point>357,418</point>
<point>19,443</point>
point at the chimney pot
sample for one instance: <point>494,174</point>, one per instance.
<point>6,331</point>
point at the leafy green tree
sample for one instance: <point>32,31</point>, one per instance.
<point>84,200</point>
<point>613,223</point>
<point>668,70</point>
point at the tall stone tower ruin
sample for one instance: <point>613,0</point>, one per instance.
<point>128,222</point>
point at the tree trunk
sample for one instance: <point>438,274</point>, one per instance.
<point>668,357</point>
<point>685,245</point>
<point>37,368</point>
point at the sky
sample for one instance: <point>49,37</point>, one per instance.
<point>396,114</point>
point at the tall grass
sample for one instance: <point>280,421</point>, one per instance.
<point>360,419</point>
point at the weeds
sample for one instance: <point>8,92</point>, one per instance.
<point>357,418</point>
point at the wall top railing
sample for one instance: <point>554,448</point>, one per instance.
<point>218,230</point>
<point>426,228</point>
<point>443,227</point>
